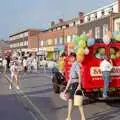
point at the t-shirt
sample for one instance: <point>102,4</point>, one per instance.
<point>105,66</point>
<point>75,69</point>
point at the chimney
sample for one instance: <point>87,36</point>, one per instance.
<point>52,23</point>
<point>61,20</point>
<point>81,15</point>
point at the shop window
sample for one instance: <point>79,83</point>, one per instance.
<point>100,53</point>
<point>114,53</point>
<point>118,26</point>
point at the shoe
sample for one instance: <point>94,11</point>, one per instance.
<point>10,87</point>
<point>105,96</point>
<point>17,87</point>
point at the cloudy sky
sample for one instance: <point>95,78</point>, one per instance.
<point>16,15</point>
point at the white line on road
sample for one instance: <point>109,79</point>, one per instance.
<point>37,110</point>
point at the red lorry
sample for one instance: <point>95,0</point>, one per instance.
<point>92,80</point>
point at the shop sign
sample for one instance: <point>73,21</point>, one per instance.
<point>96,72</point>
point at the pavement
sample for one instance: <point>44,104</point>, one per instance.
<point>45,105</point>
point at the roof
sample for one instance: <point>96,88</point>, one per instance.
<point>23,31</point>
<point>77,18</point>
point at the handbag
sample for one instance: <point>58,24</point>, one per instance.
<point>78,99</point>
<point>64,96</point>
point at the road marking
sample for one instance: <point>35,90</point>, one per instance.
<point>36,113</point>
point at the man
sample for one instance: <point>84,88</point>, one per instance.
<point>73,85</point>
<point>106,67</point>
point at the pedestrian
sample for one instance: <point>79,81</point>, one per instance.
<point>29,63</point>
<point>34,64</point>
<point>61,63</point>
<point>14,75</point>
<point>74,85</point>
<point>4,63</point>
<point>106,67</point>
<point>25,64</point>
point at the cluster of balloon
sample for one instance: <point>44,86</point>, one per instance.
<point>116,36</point>
<point>107,38</point>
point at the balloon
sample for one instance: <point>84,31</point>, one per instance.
<point>106,39</point>
<point>90,42</point>
<point>82,43</point>
<point>83,37</point>
<point>112,56</point>
<point>86,51</point>
<point>112,51</point>
<point>76,48</point>
<point>80,51</point>
<point>80,58</point>
<point>77,39</point>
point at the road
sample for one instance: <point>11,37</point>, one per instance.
<point>10,107</point>
<point>37,87</point>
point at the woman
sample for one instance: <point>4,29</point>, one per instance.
<point>73,85</point>
<point>14,75</point>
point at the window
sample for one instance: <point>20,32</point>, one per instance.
<point>56,41</point>
<point>114,52</point>
<point>61,40</point>
<point>41,43</point>
<point>97,32</point>
<point>49,41</point>
<point>118,26</point>
<point>100,53</point>
<point>68,39</point>
<point>105,29</point>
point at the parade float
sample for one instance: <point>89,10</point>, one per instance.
<point>89,53</point>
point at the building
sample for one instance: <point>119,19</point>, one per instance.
<point>52,40</point>
<point>20,41</point>
<point>4,48</point>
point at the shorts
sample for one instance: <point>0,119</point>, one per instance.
<point>72,89</point>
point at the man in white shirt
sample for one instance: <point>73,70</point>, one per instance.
<point>106,67</point>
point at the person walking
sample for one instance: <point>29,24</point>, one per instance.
<point>73,85</point>
<point>14,75</point>
<point>106,67</point>
<point>25,64</point>
<point>4,63</point>
<point>34,64</point>
<point>29,63</point>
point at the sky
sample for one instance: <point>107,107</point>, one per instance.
<point>17,15</point>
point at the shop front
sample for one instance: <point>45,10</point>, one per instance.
<point>50,53</point>
<point>58,49</point>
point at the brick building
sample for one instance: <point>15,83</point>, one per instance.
<point>53,39</point>
<point>20,41</point>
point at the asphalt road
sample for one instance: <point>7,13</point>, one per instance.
<point>37,87</point>
<point>10,107</point>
